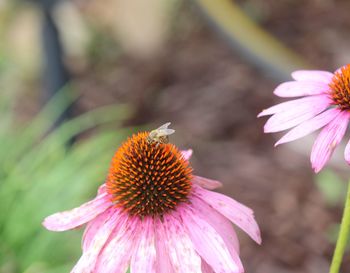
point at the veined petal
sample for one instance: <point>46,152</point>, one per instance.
<point>206,183</point>
<point>208,243</point>
<point>222,226</point>
<point>76,217</point>
<point>116,254</point>
<point>328,140</point>
<point>163,260</point>
<point>285,106</point>
<point>144,257</point>
<point>310,126</point>
<point>88,260</point>
<point>296,115</point>
<point>187,154</point>
<point>237,213</point>
<point>219,222</point>
<point>313,75</point>
<point>301,88</point>
<point>180,248</point>
<point>94,226</point>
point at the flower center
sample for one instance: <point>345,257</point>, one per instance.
<point>148,178</point>
<point>340,88</point>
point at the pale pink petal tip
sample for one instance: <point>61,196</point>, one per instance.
<point>309,126</point>
<point>300,88</point>
<point>312,75</point>
<point>304,110</point>
<point>62,221</point>
<point>187,154</point>
<point>207,183</point>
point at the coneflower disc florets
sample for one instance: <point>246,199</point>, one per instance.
<point>148,179</point>
<point>340,88</point>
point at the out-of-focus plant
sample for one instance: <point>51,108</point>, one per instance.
<point>258,46</point>
<point>39,173</point>
<point>332,187</point>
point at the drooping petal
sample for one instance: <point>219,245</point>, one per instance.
<point>239,214</point>
<point>144,257</point>
<point>187,154</point>
<point>76,217</point>
<point>296,115</point>
<point>285,106</point>
<point>221,225</point>
<point>219,222</point>
<point>208,243</point>
<point>89,258</point>
<point>313,75</point>
<point>310,126</point>
<point>94,226</point>
<point>116,254</point>
<point>163,260</point>
<point>180,248</point>
<point>328,140</point>
<point>301,88</point>
<point>206,183</point>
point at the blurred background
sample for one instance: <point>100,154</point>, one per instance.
<point>77,77</point>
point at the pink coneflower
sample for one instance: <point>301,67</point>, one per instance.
<point>325,103</point>
<point>153,215</point>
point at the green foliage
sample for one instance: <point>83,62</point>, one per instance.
<point>40,174</point>
<point>332,187</point>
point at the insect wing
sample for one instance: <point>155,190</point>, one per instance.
<point>164,126</point>
<point>165,132</point>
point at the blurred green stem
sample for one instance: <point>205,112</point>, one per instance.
<point>342,237</point>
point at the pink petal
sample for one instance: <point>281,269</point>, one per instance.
<point>222,226</point>
<point>309,126</point>
<point>180,248</point>
<point>208,243</point>
<point>219,222</point>
<point>239,214</point>
<point>347,152</point>
<point>313,75</point>
<point>187,154</point>
<point>328,140</point>
<point>296,115</point>
<point>115,256</point>
<point>206,183</point>
<point>206,268</point>
<point>102,189</point>
<point>93,227</point>
<point>71,219</point>
<point>302,88</point>
<point>285,106</point>
<point>163,260</point>
<point>144,257</point>
<point>89,258</point>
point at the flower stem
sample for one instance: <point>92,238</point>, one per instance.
<point>342,237</point>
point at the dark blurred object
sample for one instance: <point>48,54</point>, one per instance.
<point>55,73</point>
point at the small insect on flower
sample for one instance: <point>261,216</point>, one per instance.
<point>160,135</point>
<point>325,104</point>
<point>153,215</point>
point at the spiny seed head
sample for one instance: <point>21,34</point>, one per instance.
<point>340,88</point>
<point>148,179</point>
